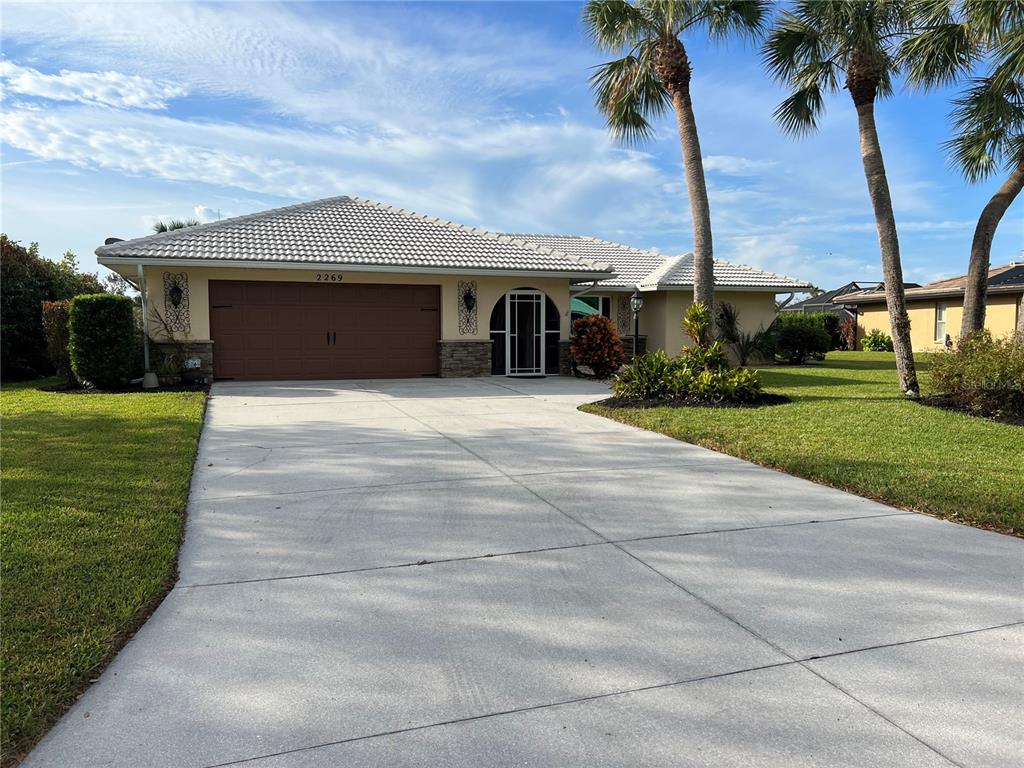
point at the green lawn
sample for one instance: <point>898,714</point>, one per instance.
<point>849,427</point>
<point>94,491</point>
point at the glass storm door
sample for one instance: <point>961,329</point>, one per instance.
<point>525,337</point>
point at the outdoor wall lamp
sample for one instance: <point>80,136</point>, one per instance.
<point>636,301</point>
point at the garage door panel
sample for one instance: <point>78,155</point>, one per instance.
<point>265,330</point>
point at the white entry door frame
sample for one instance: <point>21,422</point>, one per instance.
<point>524,337</point>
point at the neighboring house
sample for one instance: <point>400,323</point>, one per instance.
<point>832,301</point>
<point>350,288</point>
<point>936,309</point>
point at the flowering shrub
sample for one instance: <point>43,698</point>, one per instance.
<point>596,344</point>
<point>656,376</point>
<point>848,334</point>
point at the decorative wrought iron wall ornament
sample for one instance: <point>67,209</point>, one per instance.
<point>467,307</point>
<point>176,302</point>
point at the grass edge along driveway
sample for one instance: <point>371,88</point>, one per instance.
<point>94,494</point>
<point>849,427</point>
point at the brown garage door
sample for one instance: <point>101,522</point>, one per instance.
<point>264,330</point>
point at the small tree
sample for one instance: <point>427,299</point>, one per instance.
<point>102,339</point>
<point>55,325</point>
<point>597,345</point>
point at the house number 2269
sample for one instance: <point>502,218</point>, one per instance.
<point>328,277</point>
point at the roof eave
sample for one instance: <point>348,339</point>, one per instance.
<point>113,261</point>
<point>948,293</point>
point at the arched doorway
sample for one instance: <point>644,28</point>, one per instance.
<point>525,327</point>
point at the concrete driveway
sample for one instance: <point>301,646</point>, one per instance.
<point>471,572</point>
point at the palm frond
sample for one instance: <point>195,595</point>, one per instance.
<point>939,54</point>
<point>799,113</point>
<point>629,93</point>
<point>729,17</point>
<point>988,121</point>
<point>791,46</point>
<point>613,25</point>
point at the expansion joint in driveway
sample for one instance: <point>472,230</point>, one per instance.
<point>696,596</point>
<point>512,553</point>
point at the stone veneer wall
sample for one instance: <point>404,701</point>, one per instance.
<point>564,358</point>
<point>201,349</point>
<point>465,358</point>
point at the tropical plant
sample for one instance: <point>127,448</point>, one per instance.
<point>877,341</point>
<point>744,345</point>
<point>798,337</point>
<point>172,224</point>
<point>983,375</point>
<point>812,47</point>
<point>653,75</point>
<point>693,376</point>
<point>596,344</point>
<point>696,324</point>
<point>987,117</point>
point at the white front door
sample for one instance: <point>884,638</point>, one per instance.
<point>524,340</point>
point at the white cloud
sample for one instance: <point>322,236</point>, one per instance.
<point>111,89</point>
<point>733,165</point>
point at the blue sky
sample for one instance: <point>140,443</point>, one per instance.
<point>116,115</point>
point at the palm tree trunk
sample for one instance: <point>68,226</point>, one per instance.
<point>976,288</point>
<point>888,241</point>
<point>700,210</point>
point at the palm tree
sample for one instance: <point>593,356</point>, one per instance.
<point>810,49</point>
<point>172,224</point>
<point>655,74</point>
<point>987,118</point>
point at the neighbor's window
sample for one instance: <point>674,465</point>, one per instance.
<point>940,322</point>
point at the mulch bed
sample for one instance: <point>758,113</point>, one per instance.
<point>762,400</point>
<point>947,404</point>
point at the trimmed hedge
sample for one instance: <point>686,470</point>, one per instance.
<point>55,326</point>
<point>797,337</point>
<point>102,339</point>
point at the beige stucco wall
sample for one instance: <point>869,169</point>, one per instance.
<point>489,290</point>
<point>1000,319</point>
<point>756,309</point>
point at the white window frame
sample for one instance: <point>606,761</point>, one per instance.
<point>941,308</point>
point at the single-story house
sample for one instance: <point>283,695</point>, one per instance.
<point>936,309</point>
<point>350,288</point>
<point>831,302</point>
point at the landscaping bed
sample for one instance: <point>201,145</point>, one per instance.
<point>756,401</point>
<point>848,426</point>
<point>94,494</point>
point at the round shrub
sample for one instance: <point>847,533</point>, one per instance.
<point>101,339</point>
<point>597,345</point>
<point>982,375</point>
<point>797,337</point>
<point>876,341</point>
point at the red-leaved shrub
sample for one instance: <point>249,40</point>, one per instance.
<point>596,344</point>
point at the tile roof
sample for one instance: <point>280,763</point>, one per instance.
<point>650,269</point>
<point>352,231</point>
<point>1009,278</point>
<point>632,265</point>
